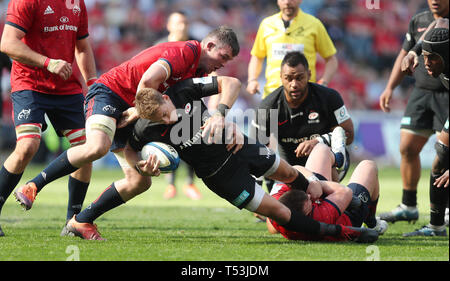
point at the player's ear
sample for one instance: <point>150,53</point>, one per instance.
<point>210,45</point>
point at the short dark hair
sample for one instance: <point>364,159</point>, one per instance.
<point>294,199</point>
<point>226,37</point>
<point>293,59</point>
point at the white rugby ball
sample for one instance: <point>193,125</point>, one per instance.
<point>167,155</point>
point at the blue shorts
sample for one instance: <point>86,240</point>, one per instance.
<point>358,215</point>
<point>102,100</point>
<point>64,111</point>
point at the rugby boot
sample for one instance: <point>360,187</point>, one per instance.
<point>359,234</point>
<point>381,226</point>
<point>427,230</point>
<point>65,231</point>
<point>338,146</point>
<point>191,191</point>
<point>86,231</point>
<point>26,194</point>
<point>401,213</point>
<point>170,192</point>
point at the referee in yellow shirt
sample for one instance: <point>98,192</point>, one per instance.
<point>289,30</point>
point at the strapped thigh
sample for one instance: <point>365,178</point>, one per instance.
<point>28,130</point>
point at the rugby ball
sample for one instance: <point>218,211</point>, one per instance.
<point>167,155</point>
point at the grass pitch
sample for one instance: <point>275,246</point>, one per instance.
<point>149,228</point>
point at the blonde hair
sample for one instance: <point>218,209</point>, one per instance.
<point>147,102</point>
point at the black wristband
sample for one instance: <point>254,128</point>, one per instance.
<point>300,183</point>
<point>222,108</point>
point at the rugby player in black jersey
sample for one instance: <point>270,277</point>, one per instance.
<point>227,161</point>
<point>425,113</point>
<point>307,114</point>
<point>434,45</point>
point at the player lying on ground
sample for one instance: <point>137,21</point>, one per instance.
<point>351,206</point>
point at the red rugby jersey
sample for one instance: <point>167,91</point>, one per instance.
<point>323,210</point>
<point>182,56</point>
<point>52,28</point>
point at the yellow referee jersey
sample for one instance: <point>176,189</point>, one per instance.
<point>305,33</point>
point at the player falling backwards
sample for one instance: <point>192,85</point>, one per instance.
<point>225,167</point>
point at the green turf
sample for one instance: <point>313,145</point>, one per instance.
<point>151,228</point>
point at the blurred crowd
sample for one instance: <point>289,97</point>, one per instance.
<point>368,40</point>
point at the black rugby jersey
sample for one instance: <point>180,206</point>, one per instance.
<point>417,26</point>
<point>185,135</point>
<point>322,110</point>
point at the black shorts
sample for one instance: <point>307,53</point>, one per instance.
<point>235,180</point>
<point>102,100</point>
<point>64,111</point>
<point>358,215</point>
<point>426,110</point>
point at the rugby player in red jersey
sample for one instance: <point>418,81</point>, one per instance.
<point>44,38</point>
<point>110,113</point>
<point>349,206</point>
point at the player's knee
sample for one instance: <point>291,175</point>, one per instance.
<point>140,184</point>
<point>26,149</point>
<point>95,151</point>
<point>369,166</point>
<point>441,162</point>
<point>409,151</point>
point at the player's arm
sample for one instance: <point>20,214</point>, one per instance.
<point>229,88</point>
<point>155,75</point>
<point>85,59</point>
<point>254,70</point>
<point>331,66</point>
<point>12,45</point>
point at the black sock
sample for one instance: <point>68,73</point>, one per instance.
<point>77,193</point>
<point>371,220</point>
<point>8,182</point>
<point>438,202</point>
<point>409,198</point>
<point>302,223</point>
<point>108,200</point>
<point>56,169</point>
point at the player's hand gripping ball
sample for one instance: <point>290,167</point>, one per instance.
<point>167,155</point>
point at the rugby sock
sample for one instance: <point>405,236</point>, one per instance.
<point>438,202</point>
<point>371,220</point>
<point>108,200</point>
<point>8,182</point>
<point>302,223</point>
<point>77,193</point>
<point>56,169</point>
<point>409,198</point>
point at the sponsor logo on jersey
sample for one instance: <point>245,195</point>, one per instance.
<point>64,19</point>
<point>48,10</point>
<point>313,117</point>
